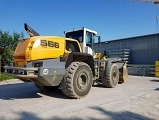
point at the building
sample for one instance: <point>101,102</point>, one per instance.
<point>143,49</point>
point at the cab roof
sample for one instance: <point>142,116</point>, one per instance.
<point>83,28</point>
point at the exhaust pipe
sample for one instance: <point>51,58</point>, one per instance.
<point>30,31</point>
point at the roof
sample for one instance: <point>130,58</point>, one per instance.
<point>132,37</point>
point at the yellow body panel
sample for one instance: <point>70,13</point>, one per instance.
<point>54,50</point>
<point>97,55</point>
<point>20,53</point>
<point>157,69</point>
<point>157,74</point>
<point>39,47</point>
<point>157,63</point>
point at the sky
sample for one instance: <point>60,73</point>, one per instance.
<point>112,19</point>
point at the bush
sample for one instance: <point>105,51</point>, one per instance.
<point>5,77</point>
<point>8,43</point>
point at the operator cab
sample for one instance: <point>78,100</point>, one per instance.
<point>85,37</point>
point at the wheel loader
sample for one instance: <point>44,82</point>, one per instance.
<point>69,63</point>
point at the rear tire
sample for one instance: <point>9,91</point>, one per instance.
<point>77,81</point>
<point>112,79</point>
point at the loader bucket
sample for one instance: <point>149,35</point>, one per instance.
<point>123,74</point>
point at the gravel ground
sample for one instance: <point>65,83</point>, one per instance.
<point>136,99</point>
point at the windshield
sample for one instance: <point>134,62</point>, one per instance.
<point>78,35</point>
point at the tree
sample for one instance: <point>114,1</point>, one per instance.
<point>9,43</point>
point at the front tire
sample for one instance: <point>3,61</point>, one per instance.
<point>112,79</point>
<point>77,81</point>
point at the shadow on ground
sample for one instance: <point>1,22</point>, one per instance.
<point>125,115</point>
<point>106,115</point>
<point>18,91</point>
<point>98,86</point>
<point>154,80</point>
<point>157,89</point>
<point>56,93</point>
<point>26,90</point>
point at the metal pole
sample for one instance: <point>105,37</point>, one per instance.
<point>0,70</point>
<point>143,71</point>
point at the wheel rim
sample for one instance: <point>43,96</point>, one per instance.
<point>82,81</point>
<point>114,75</point>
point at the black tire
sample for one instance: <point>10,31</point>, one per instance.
<point>77,81</point>
<point>113,77</point>
<point>46,88</point>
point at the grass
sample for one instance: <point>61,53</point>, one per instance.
<point>5,77</point>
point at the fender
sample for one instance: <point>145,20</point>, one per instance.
<point>81,57</point>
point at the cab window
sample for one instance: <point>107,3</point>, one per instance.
<point>72,46</point>
<point>89,39</point>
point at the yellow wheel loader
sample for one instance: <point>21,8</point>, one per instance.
<point>69,63</point>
